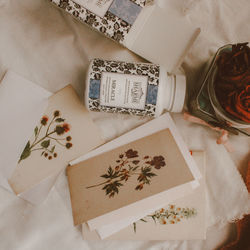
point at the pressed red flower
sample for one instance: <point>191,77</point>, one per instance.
<point>131,153</point>
<point>66,127</point>
<point>44,120</point>
<point>68,145</point>
<point>61,129</point>
<point>158,162</point>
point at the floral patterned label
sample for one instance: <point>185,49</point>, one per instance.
<point>120,87</point>
<point>123,90</point>
<point>112,18</point>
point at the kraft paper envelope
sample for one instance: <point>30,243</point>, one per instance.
<point>134,209</point>
<point>183,219</point>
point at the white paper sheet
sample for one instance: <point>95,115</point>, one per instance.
<point>22,103</point>
<point>196,200</point>
<point>133,212</point>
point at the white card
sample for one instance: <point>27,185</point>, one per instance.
<point>134,210</point>
<point>182,219</point>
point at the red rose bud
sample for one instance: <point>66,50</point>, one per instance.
<point>44,120</point>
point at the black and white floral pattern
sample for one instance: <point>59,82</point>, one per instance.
<point>144,69</point>
<point>152,71</point>
<point>110,25</point>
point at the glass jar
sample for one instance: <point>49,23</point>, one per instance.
<point>220,112</point>
<point>205,104</point>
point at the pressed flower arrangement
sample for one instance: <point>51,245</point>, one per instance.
<point>171,215</point>
<point>47,136</point>
<point>129,165</point>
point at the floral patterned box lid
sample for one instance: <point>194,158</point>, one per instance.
<point>138,25</point>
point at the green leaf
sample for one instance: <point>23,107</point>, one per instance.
<point>111,174</point>
<point>153,217</point>
<point>105,176</point>
<point>135,168</point>
<point>143,220</point>
<point>110,171</point>
<point>60,120</point>
<point>134,224</point>
<point>45,144</point>
<point>36,130</point>
<point>150,175</point>
<point>53,149</point>
<point>112,187</point>
<point>26,152</point>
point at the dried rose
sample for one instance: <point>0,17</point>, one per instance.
<point>241,104</point>
<point>232,83</point>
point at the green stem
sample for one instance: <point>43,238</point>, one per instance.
<point>110,180</point>
<point>42,139</point>
<point>98,184</point>
<point>39,130</point>
<point>36,149</point>
<point>50,125</point>
<point>56,141</point>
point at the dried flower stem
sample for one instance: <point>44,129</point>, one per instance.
<point>128,165</point>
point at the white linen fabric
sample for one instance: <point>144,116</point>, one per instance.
<point>52,49</point>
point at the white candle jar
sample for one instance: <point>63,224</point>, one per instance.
<point>141,89</point>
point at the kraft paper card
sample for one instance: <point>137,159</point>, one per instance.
<point>64,132</point>
<point>183,219</point>
<point>125,216</point>
<point>126,175</point>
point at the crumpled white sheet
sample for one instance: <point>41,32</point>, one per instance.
<point>52,49</point>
